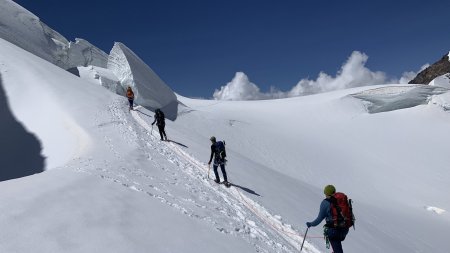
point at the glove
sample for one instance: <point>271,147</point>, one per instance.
<point>308,224</point>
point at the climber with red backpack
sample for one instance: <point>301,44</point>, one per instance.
<point>337,211</point>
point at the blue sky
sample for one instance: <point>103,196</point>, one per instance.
<point>198,46</point>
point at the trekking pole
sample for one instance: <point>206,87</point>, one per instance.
<point>304,239</point>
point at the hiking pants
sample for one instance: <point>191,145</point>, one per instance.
<point>337,246</point>
<point>131,103</point>
<point>162,133</point>
<point>222,167</point>
<point>336,236</point>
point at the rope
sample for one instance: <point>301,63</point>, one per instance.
<point>280,230</point>
<point>249,206</point>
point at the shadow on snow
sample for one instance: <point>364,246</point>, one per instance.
<point>20,150</point>
<point>246,189</point>
<point>181,144</point>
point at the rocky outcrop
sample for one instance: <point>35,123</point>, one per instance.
<point>438,68</point>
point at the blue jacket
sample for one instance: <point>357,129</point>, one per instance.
<point>324,213</point>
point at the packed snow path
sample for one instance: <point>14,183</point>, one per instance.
<point>234,194</point>
<point>181,182</point>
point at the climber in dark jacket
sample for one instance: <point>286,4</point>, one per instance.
<point>160,122</point>
<point>219,154</point>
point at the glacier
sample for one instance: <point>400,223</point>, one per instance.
<point>150,91</point>
<point>101,76</point>
<point>442,81</point>
<point>26,30</point>
<point>83,53</point>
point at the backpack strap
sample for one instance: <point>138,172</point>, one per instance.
<point>350,201</point>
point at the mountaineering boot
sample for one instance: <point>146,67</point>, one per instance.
<point>226,183</point>
<point>217,180</point>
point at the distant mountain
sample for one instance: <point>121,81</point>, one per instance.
<point>438,68</point>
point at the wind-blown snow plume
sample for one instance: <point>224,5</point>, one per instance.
<point>353,73</point>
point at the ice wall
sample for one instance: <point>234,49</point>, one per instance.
<point>24,29</point>
<point>83,53</point>
<point>150,91</point>
<point>101,76</point>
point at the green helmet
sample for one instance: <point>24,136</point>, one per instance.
<point>329,190</point>
<point>213,139</point>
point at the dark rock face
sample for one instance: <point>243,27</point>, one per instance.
<point>438,68</point>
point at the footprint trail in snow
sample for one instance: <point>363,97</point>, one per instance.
<point>169,174</point>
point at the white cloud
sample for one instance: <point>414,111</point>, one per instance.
<point>408,76</point>
<point>240,88</point>
<point>353,73</point>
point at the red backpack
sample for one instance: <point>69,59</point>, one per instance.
<point>341,211</point>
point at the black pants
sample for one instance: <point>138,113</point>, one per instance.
<point>162,133</point>
<point>336,236</point>
<point>222,167</point>
<point>337,246</point>
<point>131,103</point>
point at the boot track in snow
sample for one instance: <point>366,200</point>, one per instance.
<point>273,222</point>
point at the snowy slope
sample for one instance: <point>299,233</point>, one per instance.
<point>113,183</point>
<point>112,186</point>
<point>393,164</point>
<point>442,81</point>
